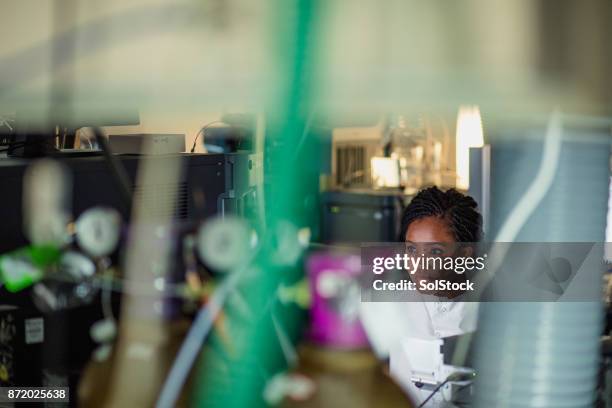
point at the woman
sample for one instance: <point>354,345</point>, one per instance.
<point>433,222</point>
<point>438,224</point>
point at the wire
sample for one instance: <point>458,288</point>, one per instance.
<point>18,145</point>
<point>305,133</point>
<point>5,122</point>
<point>14,146</point>
<point>198,332</point>
<point>435,390</point>
<point>457,376</point>
<point>201,131</point>
<point>541,184</point>
<point>289,351</point>
<point>79,135</point>
<point>521,212</point>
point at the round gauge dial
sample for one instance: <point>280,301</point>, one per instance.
<point>98,230</point>
<point>223,243</point>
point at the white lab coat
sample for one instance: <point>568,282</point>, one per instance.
<point>387,323</point>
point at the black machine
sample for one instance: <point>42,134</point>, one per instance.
<point>355,217</point>
<point>222,180</point>
<point>211,184</point>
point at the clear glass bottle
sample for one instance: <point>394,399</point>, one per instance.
<point>409,147</point>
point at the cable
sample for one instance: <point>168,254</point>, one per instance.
<point>192,344</point>
<point>14,146</point>
<point>435,390</point>
<point>202,130</point>
<point>79,135</point>
<point>305,133</point>
<point>541,184</point>
<point>521,213</point>
<point>18,145</point>
<point>5,122</point>
<point>459,376</point>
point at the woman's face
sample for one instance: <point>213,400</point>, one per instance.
<point>430,237</point>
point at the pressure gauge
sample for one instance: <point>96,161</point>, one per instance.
<point>223,243</point>
<point>98,231</point>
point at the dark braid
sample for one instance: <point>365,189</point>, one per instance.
<point>459,210</point>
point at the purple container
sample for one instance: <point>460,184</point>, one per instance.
<point>336,297</point>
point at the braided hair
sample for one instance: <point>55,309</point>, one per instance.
<point>459,211</point>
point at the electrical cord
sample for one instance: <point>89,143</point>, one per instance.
<point>201,131</point>
<point>305,133</point>
<point>18,145</point>
<point>200,328</point>
<point>13,146</point>
<point>79,135</point>
<point>521,212</point>
<point>452,377</point>
<point>541,183</point>
<point>6,123</point>
<point>442,384</point>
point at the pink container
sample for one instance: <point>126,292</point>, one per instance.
<point>336,297</point>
